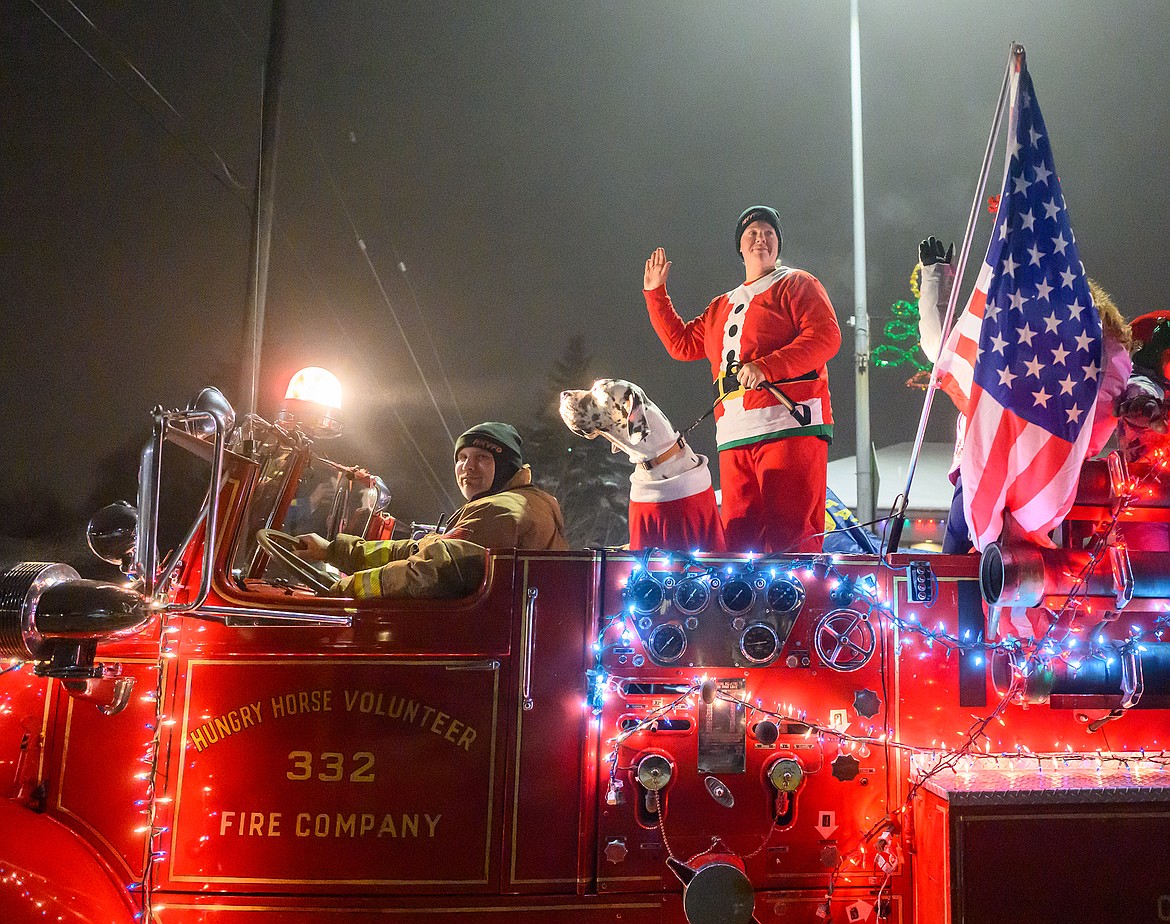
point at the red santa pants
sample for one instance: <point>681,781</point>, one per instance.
<point>774,495</point>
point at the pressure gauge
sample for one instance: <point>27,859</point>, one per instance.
<point>645,594</point>
<point>667,643</point>
<point>737,596</point>
<point>785,595</point>
<point>692,596</point>
<point>759,643</point>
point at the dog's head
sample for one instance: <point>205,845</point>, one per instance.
<point>612,408</point>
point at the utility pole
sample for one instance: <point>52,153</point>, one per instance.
<point>265,196</point>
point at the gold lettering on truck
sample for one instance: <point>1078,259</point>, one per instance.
<point>225,725</point>
<point>411,825</point>
<point>412,712</point>
<point>396,707</point>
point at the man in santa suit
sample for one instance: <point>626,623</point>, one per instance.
<point>777,327</point>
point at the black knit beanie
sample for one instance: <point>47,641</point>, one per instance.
<point>503,442</point>
<point>758,213</point>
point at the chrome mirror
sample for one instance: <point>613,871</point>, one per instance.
<point>112,532</point>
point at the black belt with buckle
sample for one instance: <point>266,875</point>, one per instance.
<point>729,383</point>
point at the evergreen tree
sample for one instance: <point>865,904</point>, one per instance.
<point>591,483</point>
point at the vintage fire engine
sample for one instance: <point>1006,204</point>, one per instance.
<point>592,736</point>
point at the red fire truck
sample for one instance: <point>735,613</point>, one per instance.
<point>591,736</point>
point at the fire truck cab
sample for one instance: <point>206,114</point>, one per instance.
<point>592,735</point>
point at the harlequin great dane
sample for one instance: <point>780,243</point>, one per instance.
<point>672,503</point>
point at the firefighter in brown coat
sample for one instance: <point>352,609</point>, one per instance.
<point>504,510</point>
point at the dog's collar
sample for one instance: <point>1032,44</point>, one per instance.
<point>675,448</point>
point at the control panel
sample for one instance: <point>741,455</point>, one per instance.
<point>741,617</point>
<point>727,690</point>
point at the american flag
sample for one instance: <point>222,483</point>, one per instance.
<point>1023,360</point>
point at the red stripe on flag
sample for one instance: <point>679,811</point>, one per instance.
<point>956,365</point>
<point>987,503</point>
<point>1039,474</point>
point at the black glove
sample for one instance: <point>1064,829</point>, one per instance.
<point>931,251</point>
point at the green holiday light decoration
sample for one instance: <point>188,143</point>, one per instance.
<point>903,327</point>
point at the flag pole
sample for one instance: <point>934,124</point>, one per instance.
<point>866,501</point>
<point>895,531</point>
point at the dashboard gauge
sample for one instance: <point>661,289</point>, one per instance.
<point>759,643</point>
<point>785,595</point>
<point>737,596</point>
<point>667,643</point>
<point>646,595</point>
<point>692,596</point>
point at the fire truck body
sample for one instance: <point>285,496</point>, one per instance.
<point>595,735</point>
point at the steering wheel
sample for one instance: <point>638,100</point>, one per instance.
<point>282,547</point>
<point>844,640</point>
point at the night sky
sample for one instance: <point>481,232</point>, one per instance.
<point>520,160</point>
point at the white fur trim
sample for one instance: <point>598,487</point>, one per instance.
<point>685,484</point>
<point>738,423</point>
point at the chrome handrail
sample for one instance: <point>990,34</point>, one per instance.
<point>149,476</point>
<point>210,512</point>
<point>308,619</point>
<point>529,646</point>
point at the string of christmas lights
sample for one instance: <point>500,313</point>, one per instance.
<point>1038,654</point>
<point>1025,656</point>
<point>156,792</point>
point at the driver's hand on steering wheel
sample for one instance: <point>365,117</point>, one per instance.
<point>312,547</point>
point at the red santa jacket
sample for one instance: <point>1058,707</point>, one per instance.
<point>783,322</point>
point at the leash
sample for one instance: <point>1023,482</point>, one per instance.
<point>707,413</point>
<point>800,412</point>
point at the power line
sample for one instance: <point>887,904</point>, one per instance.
<point>435,482</point>
<point>109,58</point>
<point>430,339</point>
<point>385,295</point>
